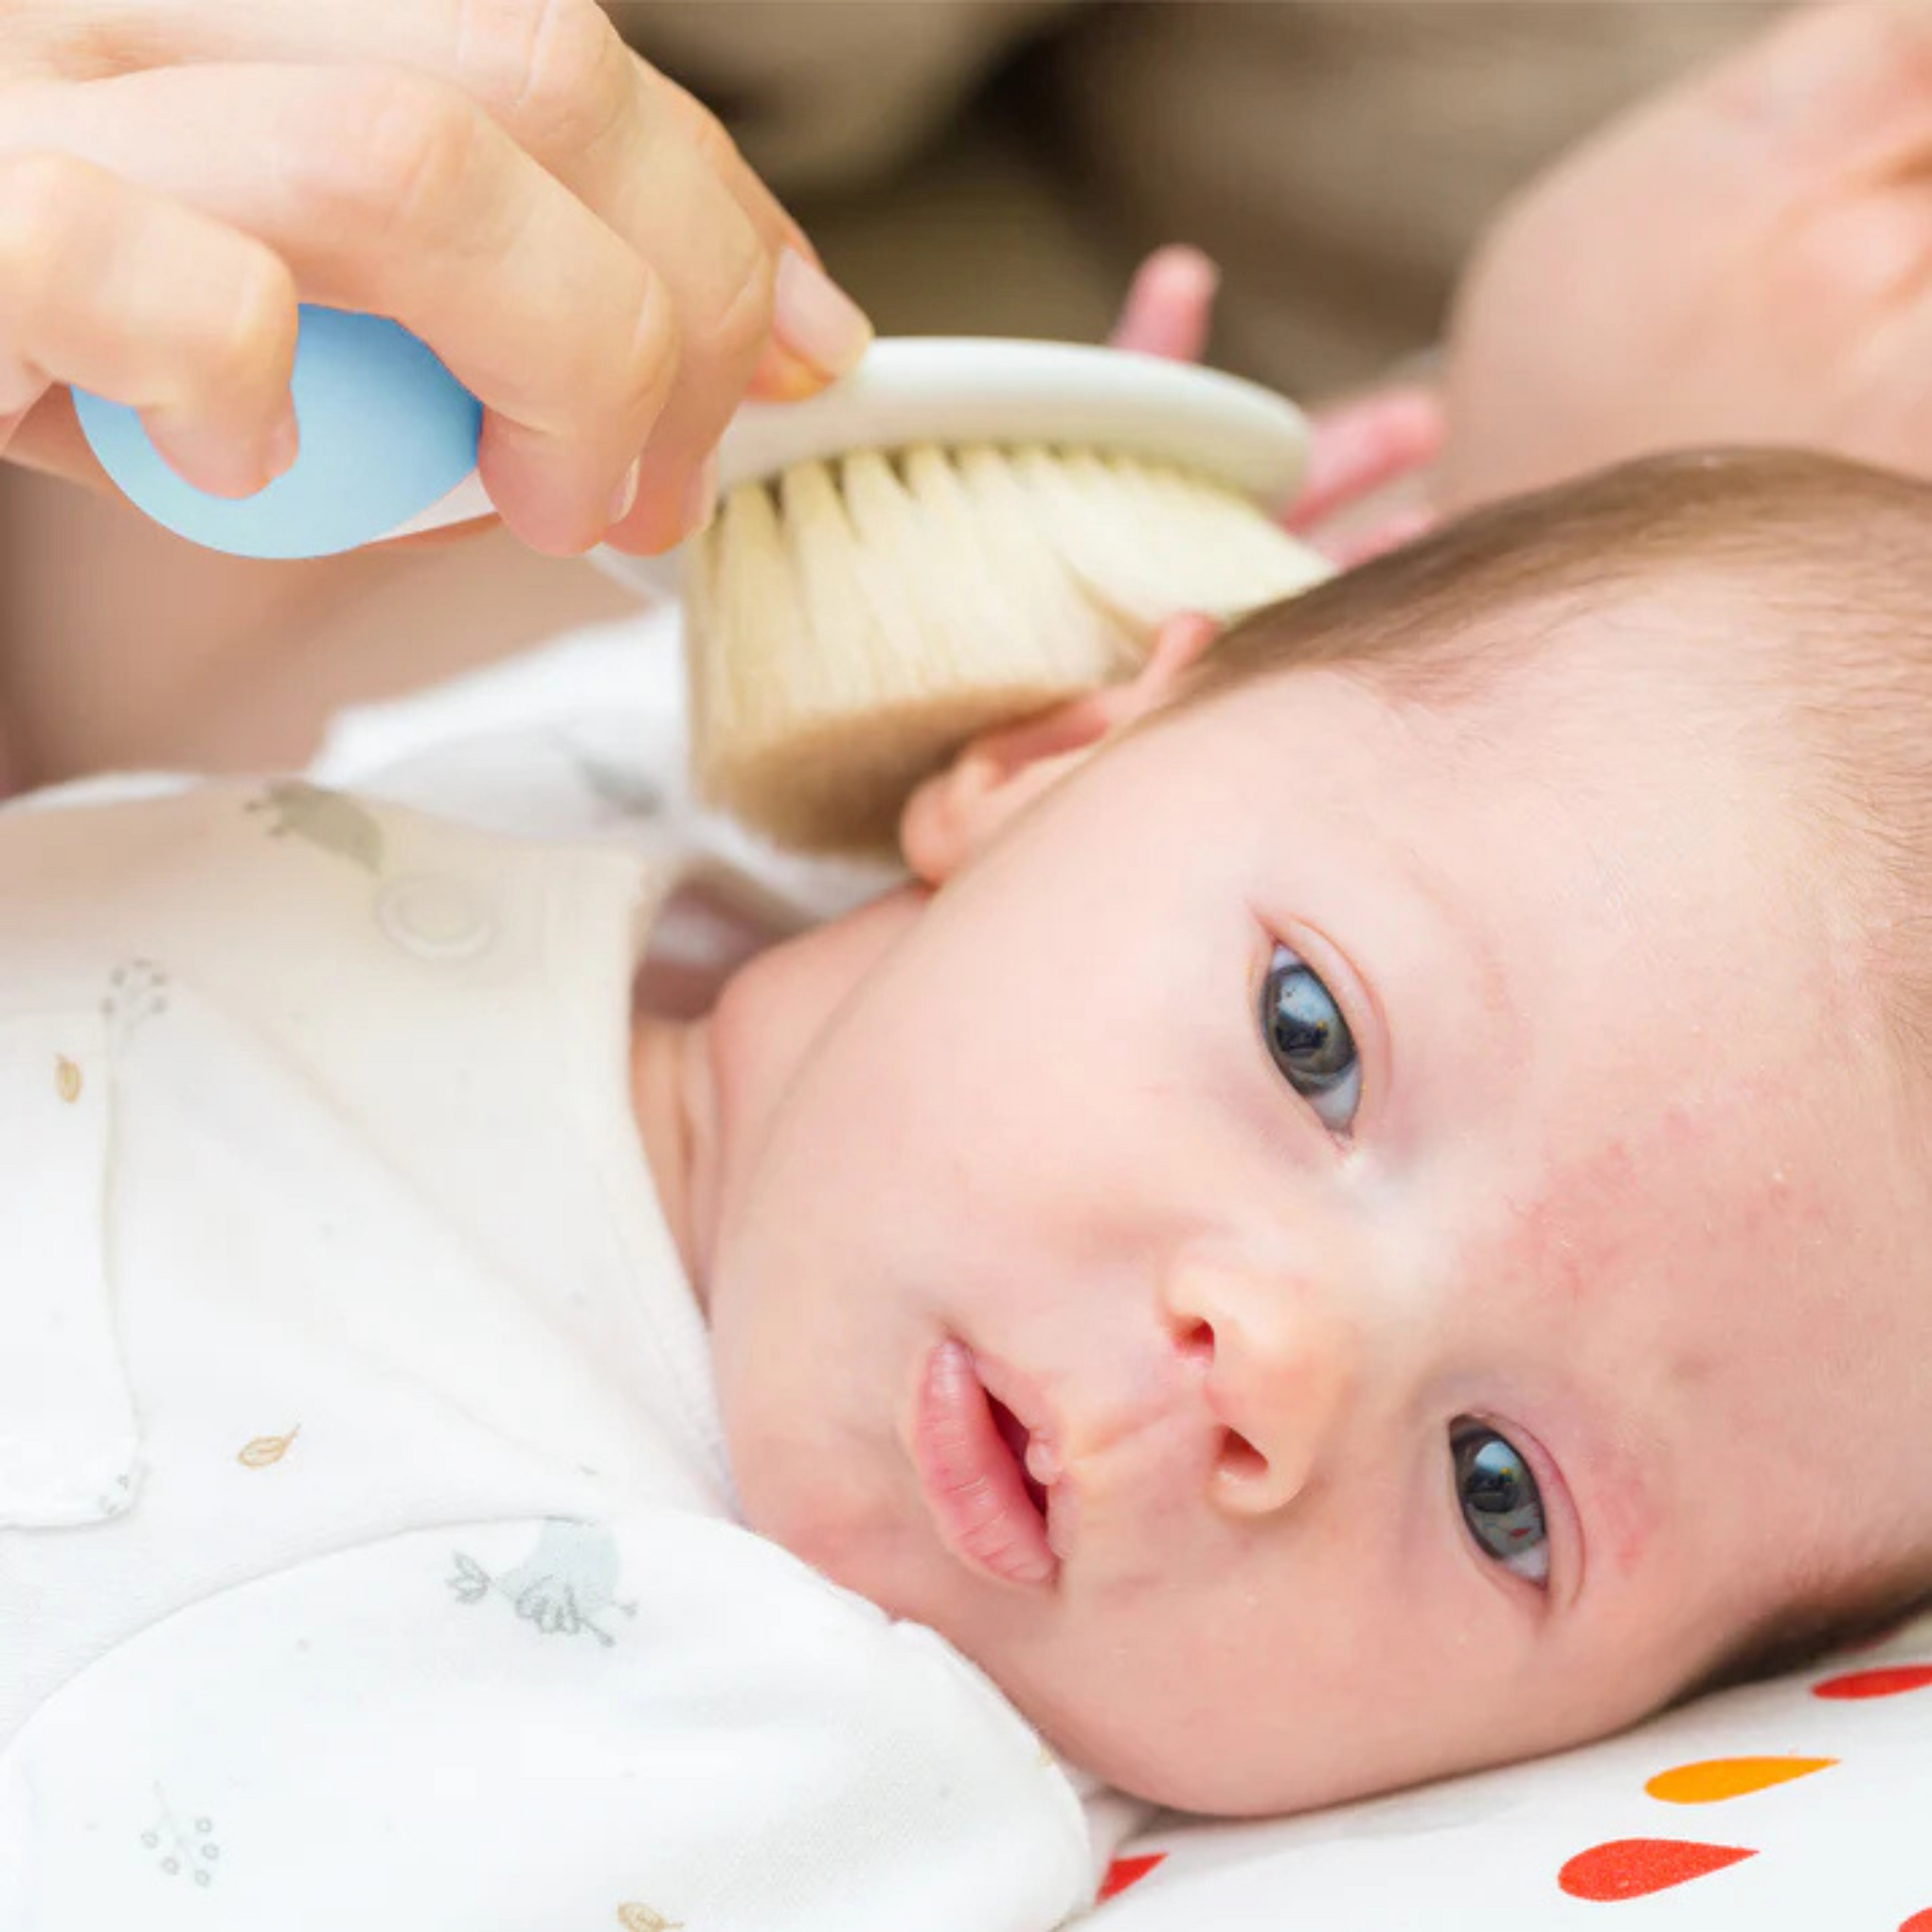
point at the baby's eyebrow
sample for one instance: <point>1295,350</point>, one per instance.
<point>1495,992</point>
<point>1407,871</point>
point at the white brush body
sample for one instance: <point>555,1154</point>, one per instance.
<point>959,533</point>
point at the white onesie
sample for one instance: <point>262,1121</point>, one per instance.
<point>365,1552</point>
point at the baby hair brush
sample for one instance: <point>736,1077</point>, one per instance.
<point>959,533</point>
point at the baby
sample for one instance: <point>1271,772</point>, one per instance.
<point>1418,1149</point>
<point>1361,1215</point>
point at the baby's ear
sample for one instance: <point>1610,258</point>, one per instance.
<point>954,812</point>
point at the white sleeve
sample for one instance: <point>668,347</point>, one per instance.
<point>580,739</point>
<point>659,1723</point>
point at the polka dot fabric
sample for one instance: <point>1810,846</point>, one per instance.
<point>1793,1806</point>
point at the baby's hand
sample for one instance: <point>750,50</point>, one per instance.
<point>1366,456</point>
<point>573,235</point>
<point>1168,307</point>
<point>1748,259</point>
<point>1369,463</point>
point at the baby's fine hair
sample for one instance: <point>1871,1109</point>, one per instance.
<point>1836,559</point>
<point>1835,678</point>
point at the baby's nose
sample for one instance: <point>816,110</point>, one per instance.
<point>1277,1359</point>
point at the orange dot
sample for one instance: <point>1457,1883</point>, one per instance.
<point>1126,1872</point>
<point>1721,1777</point>
<point>1886,1681</point>
<point>1632,1868</point>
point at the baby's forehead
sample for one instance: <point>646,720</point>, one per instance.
<point>1584,667</point>
<point>1611,719</point>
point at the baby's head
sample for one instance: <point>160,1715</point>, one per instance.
<point>1421,1117</point>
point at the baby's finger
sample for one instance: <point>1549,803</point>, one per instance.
<point>1169,305</point>
<point>107,286</point>
<point>386,192</point>
<point>1345,549</point>
<point>1358,447</point>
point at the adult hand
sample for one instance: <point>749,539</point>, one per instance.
<point>1369,454</point>
<point>574,236</point>
<point>1747,258</point>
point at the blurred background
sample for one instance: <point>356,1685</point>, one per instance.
<point>1000,165</point>
<point>965,165</point>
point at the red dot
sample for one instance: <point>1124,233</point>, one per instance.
<point>1919,1922</point>
<point>1126,1872</point>
<point>1888,1681</point>
<point>1632,1867</point>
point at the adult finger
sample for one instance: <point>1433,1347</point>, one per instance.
<point>754,311</point>
<point>387,193</point>
<point>818,332</point>
<point>752,306</point>
<point>555,74</point>
<point>1824,88</point>
<point>110,287</point>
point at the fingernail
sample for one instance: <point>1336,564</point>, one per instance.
<point>626,494</point>
<point>700,501</point>
<point>814,318</point>
<point>284,444</point>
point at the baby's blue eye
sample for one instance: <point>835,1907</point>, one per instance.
<point>1309,1041</point>
<point>1499,1500</point>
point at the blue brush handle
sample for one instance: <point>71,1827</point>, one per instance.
<point>387,432</point>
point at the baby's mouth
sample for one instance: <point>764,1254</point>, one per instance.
<point>985,1477</point>
<point>1019,1440</point>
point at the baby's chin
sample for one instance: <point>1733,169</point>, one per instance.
<point>1165,1752</point>
<point>783,1497</point>
<point>1186,1770</point>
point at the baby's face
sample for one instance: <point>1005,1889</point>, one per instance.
<point>1429,1186</point>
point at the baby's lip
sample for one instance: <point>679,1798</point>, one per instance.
<point>970,1473</point>
<point>1042,1455</point>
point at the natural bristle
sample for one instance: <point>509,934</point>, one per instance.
<point>839,786</point>
<point>848,629</point>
